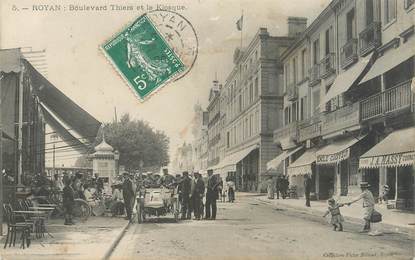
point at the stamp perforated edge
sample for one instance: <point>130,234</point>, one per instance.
<point>108,58</point>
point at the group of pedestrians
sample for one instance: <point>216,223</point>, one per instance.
<point>191,194</point>
<point>279,187</point>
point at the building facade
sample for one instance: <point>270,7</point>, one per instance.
<point>214,125</point>
<point>347,82</point>
<point>200,137</point>
<point>250,96</point>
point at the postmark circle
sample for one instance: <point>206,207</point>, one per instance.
<point>179,34</point>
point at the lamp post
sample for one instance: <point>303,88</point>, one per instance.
<point>54,137</point>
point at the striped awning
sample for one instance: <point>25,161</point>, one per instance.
<point>336,151</point>
<point>302,165</point>
<point>275,163</point>
<point>396,150</point>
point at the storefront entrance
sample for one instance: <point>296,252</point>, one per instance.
<point>372,177</point>
<point>326,181</point>
<point>344,177</point>
<point>405,188</point>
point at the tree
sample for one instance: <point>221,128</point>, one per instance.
<point>83,161</point>
<point>137,141</point>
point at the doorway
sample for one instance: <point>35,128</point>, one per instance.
<point>326,182</point>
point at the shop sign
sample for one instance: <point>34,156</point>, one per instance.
<point>390,160</point>
<point>333,158</point>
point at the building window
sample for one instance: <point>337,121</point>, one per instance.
<point>350,25</point>
<point>256,54</point>
<point>251,92</point>
<point>302,108</point>
<point>256,90</point>
<point>303,64</point>
<point>389,10</point>
<point>329,40</point>
<point>316,101</point>
<point>240,103</point>
<point>316,51</point>
<point>286,77</point>
<point>294,111</point>
<point>286,116</point>
<point>246,127</point>
<point>294,70</point>
<point>369,12</point>
<point>251,118</point>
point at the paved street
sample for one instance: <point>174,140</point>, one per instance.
<point>253,229</point>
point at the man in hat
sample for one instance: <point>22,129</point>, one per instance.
<point>197,192</point>
<point>211,196</point>
<point>185,188</point>
<point>307,189</point>
<point>68,196</point>
<point>368,204</point>
<point>128,195</point>
<point>166,180</point>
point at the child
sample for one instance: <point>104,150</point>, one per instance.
<point>336,217</point>
<point>384,194</point>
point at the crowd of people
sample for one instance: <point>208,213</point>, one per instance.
<point>197,195</point>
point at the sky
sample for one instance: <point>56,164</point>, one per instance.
<point>78,68</point>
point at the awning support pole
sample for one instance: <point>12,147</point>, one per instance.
<point>20,137</point>
<point>396,186</point>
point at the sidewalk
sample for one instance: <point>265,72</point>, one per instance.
<point>85,240</point>
<point>392,220</point>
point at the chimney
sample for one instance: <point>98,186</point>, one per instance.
<point>296,26</point>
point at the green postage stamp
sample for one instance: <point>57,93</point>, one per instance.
<point>145,54</point>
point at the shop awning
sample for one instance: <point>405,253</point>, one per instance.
<point>391,59</point>
<point>274,163</point>
<point>337,151</point>
<point>348,78</point>
<point>397,149</point>
<point>229,162</point>
<point>303,164</point>
<point>67,110</point>
<point>66,136</point>
<point>10,60</point>
<point>287,143</point>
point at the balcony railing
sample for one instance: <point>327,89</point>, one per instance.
<point>309,128</point>
<point>395,99</point>
<point>370,38</point>
<point>349,53</point>
<point>287,131</point>
<point>341,119</point>
<point>327,65</point>
<point>292,92</point>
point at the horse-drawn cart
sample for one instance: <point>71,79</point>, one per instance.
<point>157,202</point>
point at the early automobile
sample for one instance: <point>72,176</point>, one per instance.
<point>157,202</point>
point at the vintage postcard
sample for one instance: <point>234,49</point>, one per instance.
<point>207,129</point>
